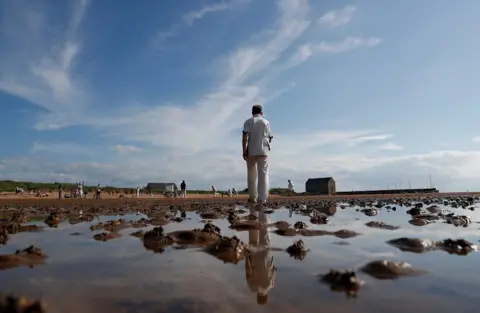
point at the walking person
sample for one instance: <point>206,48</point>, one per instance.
<point>290,188</point>
<point>256,140</point>
<point>183,188</point>
<point>138,192</point>
<point>214,190</point>
<point>59,191</point>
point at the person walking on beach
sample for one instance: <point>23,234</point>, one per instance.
<point>256,140</point>
<point>59,191</point>
<point>138,192</point>
<point>183,188</point>
<point>290,187</point>
<point>214,190</point>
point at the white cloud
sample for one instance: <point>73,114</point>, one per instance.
<point>476,139</point>
<point>214,119</point>
<point>42,73</point>
<point>126,149</point>
<point>59,148</point>
<point>191,17</point>
<point>304,52</point>
<point>391,146</point>
<point>160,39</point>
<point>337,18</point>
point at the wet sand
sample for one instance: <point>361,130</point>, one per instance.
<point>82,274</point>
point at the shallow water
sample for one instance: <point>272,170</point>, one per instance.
<point>120,275</point>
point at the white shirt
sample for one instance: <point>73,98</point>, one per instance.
<point>258,130</point>
<point>290,185</point>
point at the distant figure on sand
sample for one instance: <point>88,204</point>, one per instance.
<point>256,140</point>
<point>234,191</point>
<point>98,192</point>
<point>59,191</point>
<point>290,187</point>
<point>259,266</point>
<point>138,192</point>
<point>183,188</point>
<point>214,190</point>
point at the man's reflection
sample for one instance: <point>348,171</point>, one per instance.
<point>259,268</point>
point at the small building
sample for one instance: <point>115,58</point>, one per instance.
<point>320,186</point>
<point>161,187</point>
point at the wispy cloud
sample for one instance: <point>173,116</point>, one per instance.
<point>337,18</point>
<point>476,139</point>
<point>191,17</point>
<point>214,117</point>
<point>366,137</point>
<point>161,37</point>
<point>59,148</point>
<point>391,146</point>
<point>126,149</point>
<point>304,52</point>
<point>44,75</point>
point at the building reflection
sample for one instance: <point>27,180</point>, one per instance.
<point>259,266</point>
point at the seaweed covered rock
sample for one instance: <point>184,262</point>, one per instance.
<point>228,249</point>
<point>319,218</point>
<point>300,225</point>
<point>343,281</point>
<point>54,219</point>
<point>386,269</point>
<point>105,236</point>
<point>210,233</point>
<point>29,256</point>
<point>381,225</point>
<point>298,250</point>
<point>457,246</point>
<point>415,245</point>
<point>158,236</point>
<point>12,304</point>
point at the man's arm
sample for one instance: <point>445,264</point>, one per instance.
<point>245,132</point>
<point>269,132</point>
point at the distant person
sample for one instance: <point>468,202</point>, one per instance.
<point>98,192</point>
<point>234,192</point>
<point>138,192</point>
<point>183,189</point>
<point>214,190</point>
<point>259,266</point>
<point>290,187</point>
<point>80,189</point>
<point>59,191</point>
<point>256,140</point>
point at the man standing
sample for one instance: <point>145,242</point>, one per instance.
<point>183,188</point>
<point>256,141</point>
<point>138,192</point>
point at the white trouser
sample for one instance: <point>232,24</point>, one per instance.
<point>184,193</point>
<point>257,169</point>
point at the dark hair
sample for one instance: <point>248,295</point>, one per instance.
<point>257,109</point>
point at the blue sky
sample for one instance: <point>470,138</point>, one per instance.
<point>373,92</point>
